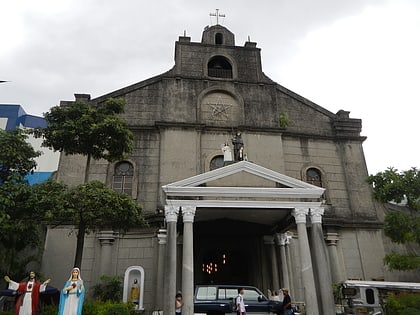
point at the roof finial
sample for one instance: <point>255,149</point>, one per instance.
<point>217,15</point>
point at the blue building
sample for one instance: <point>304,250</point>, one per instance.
<point>14,116</point>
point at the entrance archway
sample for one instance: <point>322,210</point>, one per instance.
<point>228,252</point>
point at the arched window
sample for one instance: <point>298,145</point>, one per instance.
<point>216,162</point>
<point>313,176</point>
<point>219,67</point>
<point>218,39</point>
<point>123,178</point>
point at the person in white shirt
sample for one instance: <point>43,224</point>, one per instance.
<point>276,297</point>
<point>240,305</point>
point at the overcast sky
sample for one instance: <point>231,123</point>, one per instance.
<point>362,56</point>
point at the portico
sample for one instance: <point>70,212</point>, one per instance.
<point>248,192</point>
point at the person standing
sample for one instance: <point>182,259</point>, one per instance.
<point>287,303</point>
<point>72,295</point>
<point>276,296</point>
<point>27,302</point>
<point>178,303</point>
<point>240,304</point>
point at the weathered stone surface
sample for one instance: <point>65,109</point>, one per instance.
<point>181,118</point>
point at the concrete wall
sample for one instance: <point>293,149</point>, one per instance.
<point>363,253</point>
<point>131,249</point>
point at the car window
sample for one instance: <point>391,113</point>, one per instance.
<point>227,293</point>
<point>206,293</point>
<point>251,295</point>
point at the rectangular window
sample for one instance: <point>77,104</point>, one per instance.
<point>206,293</point>
<point>227,293</point>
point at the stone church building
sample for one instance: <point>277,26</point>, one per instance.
<point>242,182</point>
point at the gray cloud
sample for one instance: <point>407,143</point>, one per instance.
<point>96,47</point>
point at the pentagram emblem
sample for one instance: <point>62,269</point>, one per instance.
<point>219,110</point>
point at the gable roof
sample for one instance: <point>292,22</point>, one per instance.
<point>293,192</point>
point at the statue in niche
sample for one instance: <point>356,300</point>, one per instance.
<point>238,147</point>
<point>135,292</point>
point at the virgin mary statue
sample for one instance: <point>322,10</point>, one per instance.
<point>72,295</point>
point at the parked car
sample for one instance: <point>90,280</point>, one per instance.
<point>220,300</point>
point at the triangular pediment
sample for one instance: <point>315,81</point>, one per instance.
<point>209,185</point>
<point>243,166</point>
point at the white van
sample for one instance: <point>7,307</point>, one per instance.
<point>369,297</point>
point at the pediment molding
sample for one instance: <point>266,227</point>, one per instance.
<point>291,188</point>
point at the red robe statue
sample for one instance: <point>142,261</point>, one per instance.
<point>29,290</point>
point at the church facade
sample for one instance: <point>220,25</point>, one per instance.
<point>242,182</point>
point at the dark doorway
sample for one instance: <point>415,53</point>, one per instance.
<point>228,252</point>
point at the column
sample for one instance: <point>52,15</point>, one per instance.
<point>336,273</point>
<point>269,240</point>
<point>106,239</point>
<point>289,236</point>
<point>308,281</point>
<point>171,217</point>
<point>161,236</point>
<point>188,261</point>
<point>327,306</point>
<point>281,241</point>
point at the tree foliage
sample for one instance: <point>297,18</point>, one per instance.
<point>392,185</point>
<point>92,207</point>
<point>17,157</point>
<point>97,207</point>
<point>97,132</point>
<point>20,233</point>
<point>401,227</point>
<point>109,289</point>
<point>403,304</point>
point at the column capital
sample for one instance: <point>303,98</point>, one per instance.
<point>283,238</point>
<point>300,214</point>
<point>331,238</point>
<point>106,237</point>
<point>171,213</point>
<point>161,237</point>
<point>188,213</point>
<point>316,214</point>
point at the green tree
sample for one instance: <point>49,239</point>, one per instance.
<point>401,227</point>
<point>20,233</point>
<point>96,132</point>
<point>19,227</point>
<point>91,207</point>
<point>109,289</point>
<point>17,156</point>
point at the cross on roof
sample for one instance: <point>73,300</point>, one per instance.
<point>217,15</point>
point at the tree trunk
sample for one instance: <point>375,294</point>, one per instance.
<point>80,243</point>
<point>82,228</point>
<point>87,169</point>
